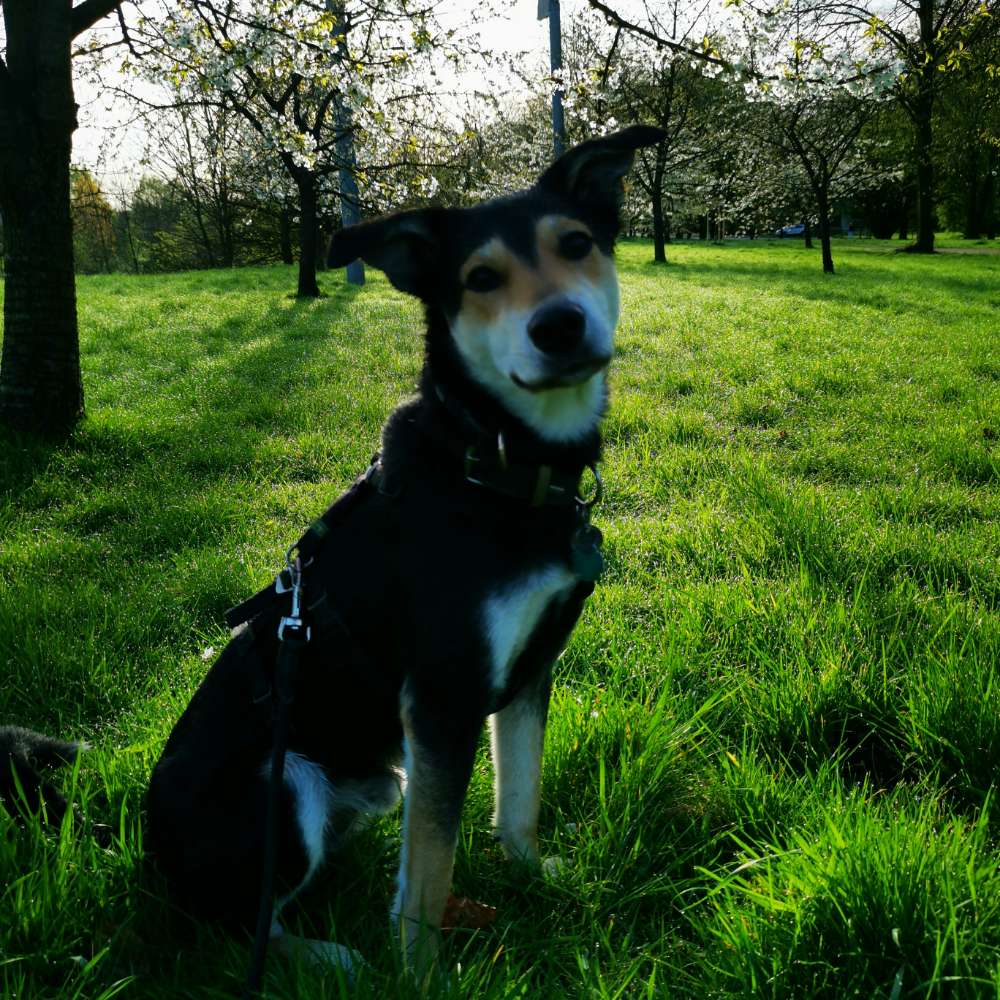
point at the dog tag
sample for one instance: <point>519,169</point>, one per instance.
<point>586,560</point>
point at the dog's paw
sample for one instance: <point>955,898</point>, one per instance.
<point>554,867</point>
<point>319,954</point>
<point>331,955</point>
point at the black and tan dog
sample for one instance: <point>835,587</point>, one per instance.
<point>451,574</point>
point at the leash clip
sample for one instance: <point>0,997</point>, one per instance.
<point>293,620</point>
<point>470,458</point>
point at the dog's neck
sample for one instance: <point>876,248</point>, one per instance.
<point>460,406</point>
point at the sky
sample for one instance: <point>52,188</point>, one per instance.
<point>104,122</point>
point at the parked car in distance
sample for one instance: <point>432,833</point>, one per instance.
<point>796,229</point>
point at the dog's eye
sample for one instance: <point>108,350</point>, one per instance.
<point>483,279</point>
<point>575,245</point>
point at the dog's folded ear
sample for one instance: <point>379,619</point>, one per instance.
<point>591,174</point>
<point>404,246</point>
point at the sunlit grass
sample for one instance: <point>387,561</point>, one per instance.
<point>774,737</point>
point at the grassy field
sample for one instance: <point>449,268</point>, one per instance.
<point>774,738</point>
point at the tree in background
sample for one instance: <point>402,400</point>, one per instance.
<point>968,123</point>
<point>291,71</point>
<point>93,225</point>
<point>929,38</point>
<point>887,198</point>
<point>41,388</point>
<point>816,88</point>
<point>626,78</point>
<point>200,151</point>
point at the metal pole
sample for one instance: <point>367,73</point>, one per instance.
<point>350,213</point>
<point>555,61</point>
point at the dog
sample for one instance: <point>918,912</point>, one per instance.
<point>441,587</point>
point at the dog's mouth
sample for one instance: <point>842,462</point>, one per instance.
<point>568,375</point>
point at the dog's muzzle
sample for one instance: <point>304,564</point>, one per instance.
<point>558,330</point>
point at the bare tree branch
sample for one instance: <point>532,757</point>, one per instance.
<point>637,29</point>
<point>88,13</point>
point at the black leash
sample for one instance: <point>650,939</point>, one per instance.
<point>293,635</point>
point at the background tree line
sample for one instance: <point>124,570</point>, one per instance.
<point>266,120</point>
<point>212,196</point>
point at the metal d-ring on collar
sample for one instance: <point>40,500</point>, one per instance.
<point>471,456</point>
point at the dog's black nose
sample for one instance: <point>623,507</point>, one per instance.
<point>557,328</point>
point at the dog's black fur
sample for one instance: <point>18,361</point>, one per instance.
<point>24,756</point>
<point>412,670</point>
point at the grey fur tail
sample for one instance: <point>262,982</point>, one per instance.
<point>23,753</point>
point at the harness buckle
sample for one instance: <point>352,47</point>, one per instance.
<point>288,622</point>
<point>292,622</point>
<point>470,457</point>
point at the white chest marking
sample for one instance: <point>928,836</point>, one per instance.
<point>512,613</point>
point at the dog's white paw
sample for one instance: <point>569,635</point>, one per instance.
<point>554,867</point>
<point>332,955</point>
<point>319,954</point>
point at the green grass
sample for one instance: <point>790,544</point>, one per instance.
<point>774,737</point>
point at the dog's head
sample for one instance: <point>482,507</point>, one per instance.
<point>526,284</point>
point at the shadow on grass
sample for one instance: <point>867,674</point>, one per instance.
<point>129,532</point>
<point>23,457</point>
<point>271,368</point>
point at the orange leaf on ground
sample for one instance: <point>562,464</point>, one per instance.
<point>462,912</point>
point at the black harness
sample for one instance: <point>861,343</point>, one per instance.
<point>301,611</point>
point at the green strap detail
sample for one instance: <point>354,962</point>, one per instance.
<point>541,485</point>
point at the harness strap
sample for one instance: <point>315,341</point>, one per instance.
<point>293,640</point>
<point>307,547</point>
<point>262,601</point>
<point>315,535</point>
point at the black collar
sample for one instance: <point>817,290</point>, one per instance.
<point>480,455</point>
<point>487,464</point>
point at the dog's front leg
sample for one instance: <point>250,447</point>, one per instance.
<point>439,756</point>
<point>517,734</point>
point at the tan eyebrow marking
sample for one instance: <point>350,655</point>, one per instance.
<point>561,272</point>
<point>493,253</point>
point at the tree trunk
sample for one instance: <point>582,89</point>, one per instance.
<point>41,388</point>
<point>807,233</point>
<point>350,210</point>
<point>659,253</point>
<point>904,218</point>
<point>127,219</point>
<point>973,227</point>
<point>989,194</point>
<point>659,235</point>
<point>922,113</point>
<point>322,242</point>
<point>823,204</point>
<point>285,235</point>
<point>308,288</point>
<point>925,182</point>
<point>227,237</point>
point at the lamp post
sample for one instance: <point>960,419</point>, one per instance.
<point>550,9</point>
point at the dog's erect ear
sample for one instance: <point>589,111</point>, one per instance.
<point>405,246</point>
<point>591,174</point>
